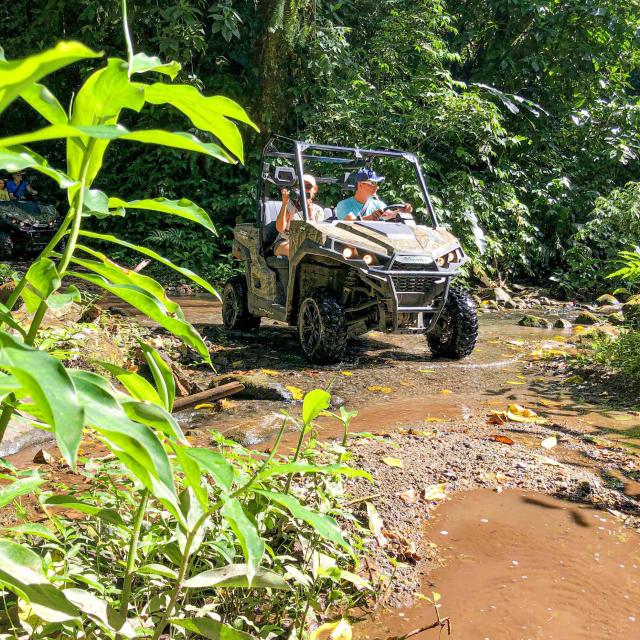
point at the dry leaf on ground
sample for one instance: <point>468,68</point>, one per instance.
<point>376,525</point>
<point>204,405</point>
<point>501,439</point>
<point>409,496</point>
<point>549,443</point>
<point>340,630</point>
<point>393,462</point>
<point>296,392</point>
<point>445,391</point>
<point>347,374</point>
<point>434,492</point>
<point>378,389</point>
<point>270,372</point>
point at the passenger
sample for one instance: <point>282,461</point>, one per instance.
<point>18,188</point>
<point>289,211</point>
<point>4,194</point>
<point>365,203</point>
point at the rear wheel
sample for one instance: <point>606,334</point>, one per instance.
<point>6,246</point>
<point>322,327</point>
<point>235,310</point>
<point>456,330</point>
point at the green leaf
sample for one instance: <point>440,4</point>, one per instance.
<point>142,63</point>
<point>7,318</point>
<point>42,280</point>
<point>152,308</point>
<point>157,570</point>
<point>134,383</point>
<point>18,158</point>
<point>100,612</point>
<point>33,529</point>
<point>133,443</point>
<point>322,524</point>
<point>235,575</point>
<point>96,203</point>
<point>245,530</point>
<point>210,628</point>
<point>45,103</point>
<point>51,389</point>
<point>57,131</point>
<point>214,114</point>
<point>192,475</point>
<point>20,487</point>
<point>71,502</point>
<point>154,416</point>
<point>162,375</point>
<point>314,403</point>
<point>21,571</point>
<point>305,467</point>
<point>59,300</point>
<point>183,208</point>
<point>18,75</point>
<point>214,464</point>
<point>155,256</point>
<point>8,384</point>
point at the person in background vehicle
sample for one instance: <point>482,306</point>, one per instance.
<point>4,194</point>
<point>18,187</point>
<point>291,211</point>
<point>365,203</point>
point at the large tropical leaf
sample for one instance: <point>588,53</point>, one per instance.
<point>214,114</point>
<point>45,103</point>
<point>19,487</point>
<point>48,384</point>
<point>21,571</point>
<point>153,416</point>
<point>235,575</point>
<point>215,464</point>
<point>183,208</point>
<point>155,256</point>
<point>152,308</point>
<point>134,383</point>
<point>322,524</point>
<point>42,280</point>
<point>162,375</point>
<point>142,63</point>
<point>210,629</point>
<point>19,157</point>
<point>252,544</point>
<point>18,75</point>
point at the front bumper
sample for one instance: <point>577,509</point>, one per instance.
<point>36,239</point>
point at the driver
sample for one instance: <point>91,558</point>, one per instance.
<point>364,203</point>
<point>18,187</point>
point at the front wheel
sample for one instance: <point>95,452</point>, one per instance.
<point>456,330</point>
<point>322,328</point>
<point>235,309</point>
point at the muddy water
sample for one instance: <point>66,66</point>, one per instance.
<point>523,566</point>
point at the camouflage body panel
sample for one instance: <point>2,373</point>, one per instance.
<point>417,239</point>
<point>247,246</point>
<point>29,213</point>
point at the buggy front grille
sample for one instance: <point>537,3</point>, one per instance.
<point>411,284</point>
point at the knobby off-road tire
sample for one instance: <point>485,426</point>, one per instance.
<point>322,327</point>
<point>235,311</point>
<point>456,331</point>
<point>6,247</point>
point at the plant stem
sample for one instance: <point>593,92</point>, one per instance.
<point>133,554</point>
<point>296,455</point>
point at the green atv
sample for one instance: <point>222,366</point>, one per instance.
<point>344,278</point>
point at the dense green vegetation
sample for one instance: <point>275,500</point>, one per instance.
<point>525,112</point>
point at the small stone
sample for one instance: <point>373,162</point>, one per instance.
<point>616,318</point>
<point>535,321</point>
<point>510,304</point>
<point>606,299</point>
<point>562,323</point>
<point>586,318</point>
<point>43,457</point>
<point>545,301</point>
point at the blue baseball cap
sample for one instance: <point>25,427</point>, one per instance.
<point>368,175</point>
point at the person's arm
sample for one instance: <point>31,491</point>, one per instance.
<point>284,217</point>
<point>31,190</point>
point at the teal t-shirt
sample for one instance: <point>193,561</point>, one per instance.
<point>351,205</point>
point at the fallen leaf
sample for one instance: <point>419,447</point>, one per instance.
<point>549,403</point>
<point>445,391</point>
<point>340,630</point>
<point>514,382</point>
<point>549,443</point>
<point>521,377</point>
<point>434,420</point>
<point>376,525</point>
<point>409,496</point>
<point>296,392</point>
<point>426,370</point>
<point>550,461</point>
<point>406,384</point>
<point>574,380</point>
<point>621,417</point>
<point>501,439</point>
<point>43,457</point>
<point>378,389</point>
<point>393,462</point>
<point>347,374</point>
<point>434,492</point>
<point>270,372</point>
<point>204,405</point>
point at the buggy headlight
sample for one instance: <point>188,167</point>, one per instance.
<point>368,258</point>
<point>441,261</point>
<point>348,253</point>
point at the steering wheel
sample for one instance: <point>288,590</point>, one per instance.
<point>394,207</point>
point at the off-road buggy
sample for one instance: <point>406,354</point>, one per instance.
<point>26,227</point>
<point>342,278</point>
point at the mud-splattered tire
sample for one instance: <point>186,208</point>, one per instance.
<point>456,331</point>
<point>235,311</point>
<point>322,327</point>
<point>6,247</point>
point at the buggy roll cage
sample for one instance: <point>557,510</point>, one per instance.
<point>360,157</point>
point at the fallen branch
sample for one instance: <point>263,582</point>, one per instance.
<point>215,393</point>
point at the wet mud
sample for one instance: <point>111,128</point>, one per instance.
<point>522,565</point>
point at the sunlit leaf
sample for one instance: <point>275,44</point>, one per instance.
<point>100,612</point>
<point>42,280</point>
<point>393,462</point>
<point>34,529</point>
<point>210,628</point>
<point>215,464</point>
<point>235,575</point>
<point>162,375</point>
<point>313,404</point>
<point>45,103</point>
<point>70,502</point>
<point>19,157</point>
<point>378,389</point>
<point>19,487</point>
<point>135,384</point>
<point>142,63</point>
<point>340,630</point>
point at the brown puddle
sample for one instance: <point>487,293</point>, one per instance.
<point>521,565</point>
